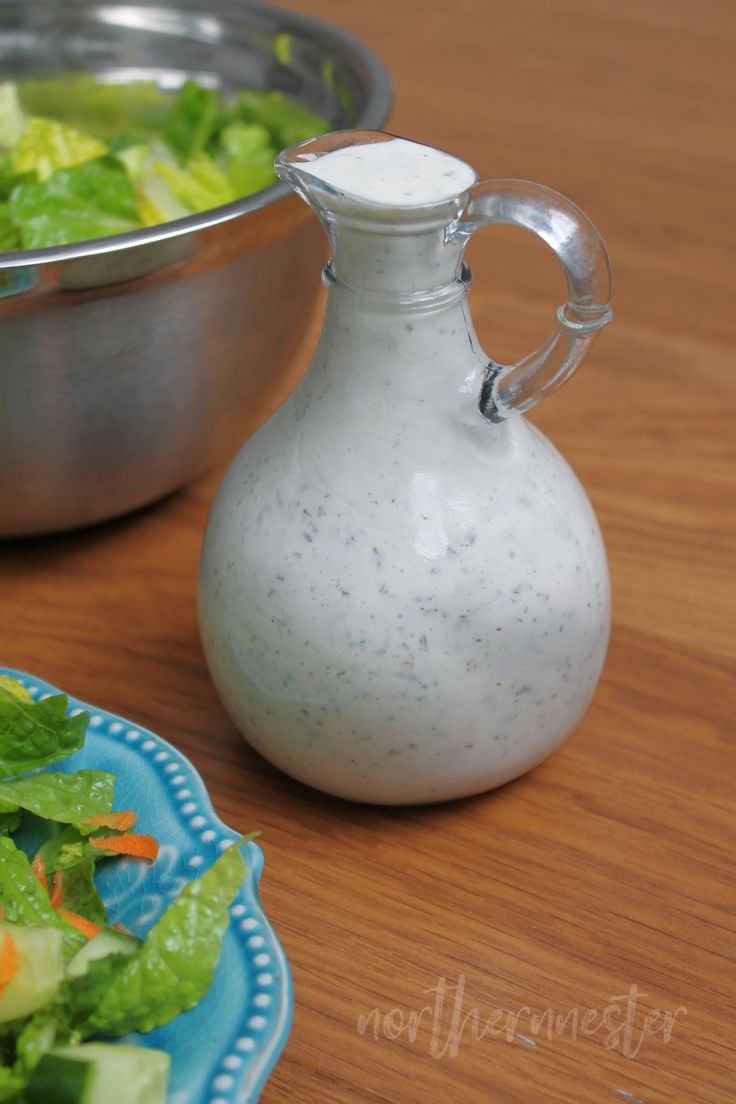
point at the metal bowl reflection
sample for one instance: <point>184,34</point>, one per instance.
<point>128,365</point>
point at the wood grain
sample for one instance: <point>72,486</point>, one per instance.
<point>611,865</point>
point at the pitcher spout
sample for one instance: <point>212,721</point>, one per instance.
<point>386,204</point>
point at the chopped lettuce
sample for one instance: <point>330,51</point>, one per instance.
<point>35,734</point>
<point>10,820</point>
<point>9,236</point>
<point>80,892</point>
<point>199,185</point>
<point>69,848</point>
<point>12,116</point>
<point>11,1084</point>
<point>47,145</point>
<point>26,902</point>
<point>81,159</point>
<point>248,156</point>
<point>172,970</point>
<point>195,117</point>
<point>105,110</point>
<point>9,177</point>
<point>89,200</point>
<point>68,798</point>
<point>36,1038</point>
<point>156,201</point>
<point>287,122</point>
<point>14,689</point>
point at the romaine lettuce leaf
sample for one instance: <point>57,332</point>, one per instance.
<point>135,158</point>
<point>26,902</point>
<point>38,1036</point>
<point>11,1084</point>
<point>70,848</point>
<point>9,821</point>
<point>12,117</point>
<point>248,157</point>
<point>80,892</point>
<point>287,122</point>
<point>155,200</point>
<point>35,734</point>
<point>90,200</point>
<point>15,689</point>
<point>9,236</point>
<point>47,145</point>
<point>105,110</point>
<point>196,115</point>
<point>173,969</point>
<point>69,798</point>
<point>200,185</point>
<point>246,142</point>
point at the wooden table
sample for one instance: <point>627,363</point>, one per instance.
<point>611,865</point>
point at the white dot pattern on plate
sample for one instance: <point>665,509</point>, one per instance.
<point>228,1085</point>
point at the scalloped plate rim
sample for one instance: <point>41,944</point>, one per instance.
<point>265,1059</point>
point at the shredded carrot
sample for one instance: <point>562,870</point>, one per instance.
<point>86,927</point>
<point>141,847</point>
<point>9,961</point>
<point>57,891</point>
<point>38,866</point>
<point>120,928</point>
<point>122,821</point>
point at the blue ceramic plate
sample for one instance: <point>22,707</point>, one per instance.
<point>224,1049</point>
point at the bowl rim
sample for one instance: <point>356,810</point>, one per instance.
<point>374,116</point>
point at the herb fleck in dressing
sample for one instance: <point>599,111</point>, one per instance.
<point>399,600</point>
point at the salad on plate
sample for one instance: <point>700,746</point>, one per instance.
<point>71,978</point>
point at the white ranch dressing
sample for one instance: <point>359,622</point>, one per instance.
<point>398,173</point>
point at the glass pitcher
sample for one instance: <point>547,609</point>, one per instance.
<point>403,591</point>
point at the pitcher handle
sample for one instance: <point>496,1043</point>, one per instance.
<point>510,388</point>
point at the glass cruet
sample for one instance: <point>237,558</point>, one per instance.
<point>404,591</point>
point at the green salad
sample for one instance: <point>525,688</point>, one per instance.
<point>67,973</point>
<point>80,159</point>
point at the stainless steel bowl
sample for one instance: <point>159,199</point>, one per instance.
<point>128,364</point>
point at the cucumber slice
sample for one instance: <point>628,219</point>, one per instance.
<point>106,942</point>
<point>100,1073</point>
<point>39,973</point>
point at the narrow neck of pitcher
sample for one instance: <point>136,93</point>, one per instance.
<point>389,262</point>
